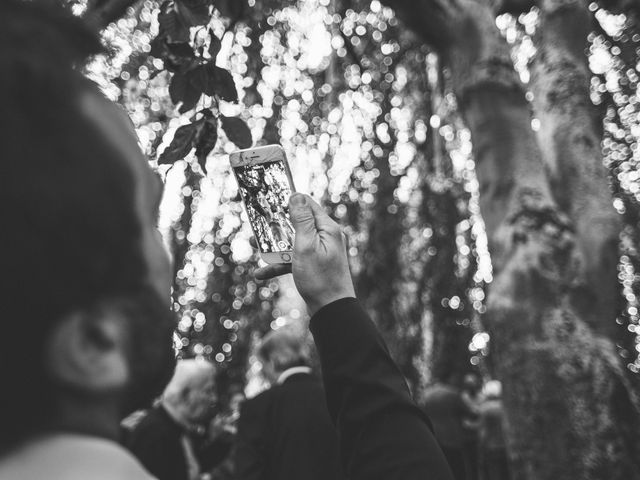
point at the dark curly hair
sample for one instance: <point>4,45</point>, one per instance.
<point>70,235</point>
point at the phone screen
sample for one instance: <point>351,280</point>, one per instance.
<point>265,189</point>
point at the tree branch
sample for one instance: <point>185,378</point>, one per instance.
<point>101,13</point>
<point>621,6</point>
<point>514,7</point>
<point>426,18</point>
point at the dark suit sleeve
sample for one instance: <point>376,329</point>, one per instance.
<point>157,450</point>
<point>383,434</point>
<point>214,452</point>
<point>249,452</point>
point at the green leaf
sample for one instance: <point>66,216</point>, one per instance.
<point>181,49</point>
<point>171,25</point>
<point>191,98</point>
<point>179,56</point>
<point>178,87</point>
<point>194,12</point>
<point>232,9</point>
<point>214,45</point>
<point>158,47</point>
<point>213,80</point>
<point>180,146</point>
<point>237,131</point>
<point>206,140</point>
<point>223,84</point>
<point>202,79</point>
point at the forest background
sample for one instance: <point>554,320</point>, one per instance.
<point>481,155</point>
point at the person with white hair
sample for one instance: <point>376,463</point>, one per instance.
<point>171,440</point>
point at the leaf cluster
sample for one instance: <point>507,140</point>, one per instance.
<point>191,58</point>
<point>202,134</point>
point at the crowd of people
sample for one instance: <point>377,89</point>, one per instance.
<point>285,432</point>
<point>88,283</point>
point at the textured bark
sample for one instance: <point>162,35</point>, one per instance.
<point>571,411</point>
<point>570,137</point>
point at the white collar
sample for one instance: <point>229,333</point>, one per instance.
<point>292,371</point>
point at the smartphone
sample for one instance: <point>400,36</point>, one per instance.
<point>265,184</point>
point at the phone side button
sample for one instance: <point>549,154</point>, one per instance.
<point>285,257</point>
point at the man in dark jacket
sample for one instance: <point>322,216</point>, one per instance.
<point>383,434</point>
<point>447,411</point>
<point>171,440</point>
<point>285,433</point>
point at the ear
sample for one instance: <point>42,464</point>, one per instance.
<point>89,352</point>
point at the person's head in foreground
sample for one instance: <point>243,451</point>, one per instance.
<point>87,324</point>
<point>191,396</point>
<point>281,350</point>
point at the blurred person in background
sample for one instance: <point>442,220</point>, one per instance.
<point>285,432</point>
<point>227,420</point>
<point>493,453</point>
<point>172,440</point>
<point>471,394</point>
<point>89,275</point>
<point>447,410</point>
<point>225,425</point>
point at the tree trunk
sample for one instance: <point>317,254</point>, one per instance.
<point>380,277</point>
<point>571,412</point>
<point>450,328</point>
<point>570,139</point>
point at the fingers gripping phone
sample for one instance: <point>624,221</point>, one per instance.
<point>265,184</point>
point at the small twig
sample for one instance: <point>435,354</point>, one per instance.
<point>350,50</point>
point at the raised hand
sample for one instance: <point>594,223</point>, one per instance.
<point>320,267</point>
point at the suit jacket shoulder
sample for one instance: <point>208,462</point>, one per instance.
<point>285,433</point>
<point>156,443</point>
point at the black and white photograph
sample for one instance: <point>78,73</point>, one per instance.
<point>320,239</point>
<point>265,189</point>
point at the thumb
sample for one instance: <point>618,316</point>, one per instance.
<point>302,216</point>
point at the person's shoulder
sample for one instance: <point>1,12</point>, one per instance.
<point>155,425</point>
<point>260,400</point>
<point>254,411</point>
<point>490,406</point>
<point>301,381</point>
<point>439,390</point>
<point>73,457</point>
<point>151,418</point>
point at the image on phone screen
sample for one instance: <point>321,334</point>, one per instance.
<point>265,189</point>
